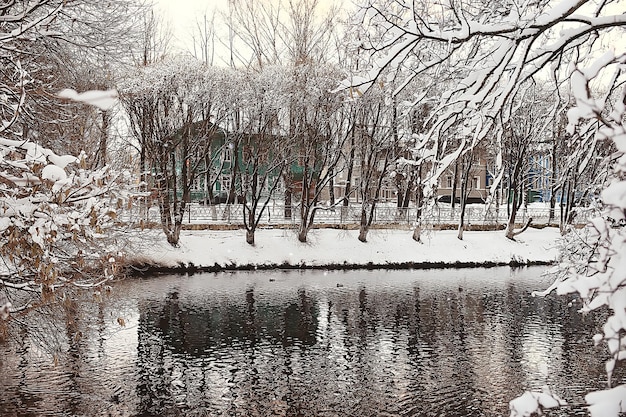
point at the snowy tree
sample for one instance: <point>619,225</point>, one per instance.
<point>373,147</point>
<point>410,164</point>
<point>495,52</point>
<point>482,54</point>
<point>21,26</point>
<point>175,109</point>
<point>204,39</point>
<point>582,171</point>
<point>76,49</point>
<point>318,134</point>
<point>527,127</point>
<point>263,142</point>
<point>58,224</point>
<point>154,37</point>
<point>299,36</point>
<point>594,264</point>
<point>464,166</point>
<point>268,32</point>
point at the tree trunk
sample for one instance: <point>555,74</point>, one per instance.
<point>498,198</point>
<point>166,210</point>
<point>463,202</point>
<point>514,205</point>
<point>363,233</point>
<point>302,233</point>
<point>406,199</point>
<point>461,227</point>
<point>522,230</point>
<point>173,236</point>
<point>417,234</point>
<point>250,236</point>
<point>510,226</point>
<point>104,139</point>
<point>178,222</point>
<point>232,192</point>
<point>250,221</point>
<point>419,203</point>
<point>552,206</point>
<point>303,230</point>
<point>454,185</point>
<point>564,193</point>
<point>463,195</point>
<point>145,187</point>
<point>554,174</point>
<point>363,227</point>
<point>348,188</point>
<point>288,195</point>
<point>517,184</point>
<point>331,188</point>
<point>569,213</point>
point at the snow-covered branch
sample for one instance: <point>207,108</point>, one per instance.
<point>594,264</point>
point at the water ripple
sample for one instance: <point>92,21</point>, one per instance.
<point>399,343</point>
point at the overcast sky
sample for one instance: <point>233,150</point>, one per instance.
<point>183,15</point>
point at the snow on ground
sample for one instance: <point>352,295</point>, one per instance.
<point>206,248</point>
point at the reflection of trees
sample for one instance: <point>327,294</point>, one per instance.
<point>300,326</point>
<point>344,351</point>
<point>440,345</point>
<point>197,330</point>
<point>74,335</point>
<point>181,342</point>
<point>412,350</point>
<point>151,379</point>
<point>25,398</point>
<point>51,371</point>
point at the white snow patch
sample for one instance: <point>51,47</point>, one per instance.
<point>53,173</point>
<point>328,246</point>
<point>532,402</point>
<point>104,100</point>
<point>607,403</point>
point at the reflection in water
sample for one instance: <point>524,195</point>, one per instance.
<point>376,343</point>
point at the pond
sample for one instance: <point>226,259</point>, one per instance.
<point>313,343</point>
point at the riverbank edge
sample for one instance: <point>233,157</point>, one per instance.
<point>144,269</point>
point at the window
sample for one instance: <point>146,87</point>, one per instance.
<point>225,183</point>
<point>476,183</point>
<point>449,181</point>
<point>227,155</point>
<point>197,184</point>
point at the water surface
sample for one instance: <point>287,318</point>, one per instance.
<point>314,343</point>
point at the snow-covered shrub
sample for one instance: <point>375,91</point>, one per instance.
<point>57,223</point>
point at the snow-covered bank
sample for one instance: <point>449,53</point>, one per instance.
<point>217,250</point>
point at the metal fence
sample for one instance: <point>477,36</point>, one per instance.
<point>275,215</point>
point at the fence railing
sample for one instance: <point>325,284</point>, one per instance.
<point>275,215</point>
